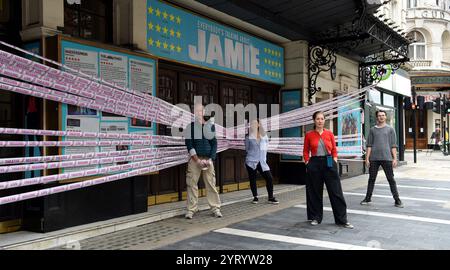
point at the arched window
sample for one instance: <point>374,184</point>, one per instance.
<point>411,3</point>
<point>417,49</point>
<point>446,46</point>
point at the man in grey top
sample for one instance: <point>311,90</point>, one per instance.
<point>381,151</point>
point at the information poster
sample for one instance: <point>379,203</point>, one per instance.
<point>124,70</point>
<point>291,100</point>
<point>350,131</point>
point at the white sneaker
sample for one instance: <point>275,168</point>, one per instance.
<point>189,215</point>
<point>217,214</point>
<point>314,223</point>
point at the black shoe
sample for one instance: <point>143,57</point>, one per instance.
<point>399,203</point>
<point>273,201</point>
<point>255,200</point>
<point>366,201</point>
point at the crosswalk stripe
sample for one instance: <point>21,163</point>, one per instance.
<point>418,187</point>
<point>389,215</point>
<point>403,198</point>
<point>292,240</point>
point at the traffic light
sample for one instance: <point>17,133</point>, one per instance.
<point>447,107</point>
<point>437,105</point>
<point>421,102</point>
<point>407,103</point>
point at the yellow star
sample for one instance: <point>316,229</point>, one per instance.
<point>158,12</point>
<point>172,47</point>
<point>165,30</point>
<point>178,20</point>
<point>158,44</point>
<point>150,26</point>
<point>150,41</point>
<point>265,60</point>
<point>265,50</point>
<point>178,49</point>
<point>165,15</point>
<point>265,71</point>
<point>172,18</point>
<point>172,33</point>
<point>178,34</point>
<point>158,28</point>
<point>165,45</point>
<point>150,10</point>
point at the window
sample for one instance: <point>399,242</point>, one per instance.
<point>388,100</point>
<point>375,96</point>
<point>411,3</point>
<point>417,49</point>
<point>89,20</point>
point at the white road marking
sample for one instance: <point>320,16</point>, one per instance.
<point>403,198</point>
<point>389,215</point>
<point>292,240</point>
<point>417,187</point>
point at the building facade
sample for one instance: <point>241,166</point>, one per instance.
<point>154,32</point>
<point>427,24</point>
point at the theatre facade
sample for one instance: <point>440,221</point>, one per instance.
<point>233,52</point>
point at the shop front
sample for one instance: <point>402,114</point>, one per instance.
<point>226,66</point>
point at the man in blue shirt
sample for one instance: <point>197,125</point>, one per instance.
<point>201,144</point>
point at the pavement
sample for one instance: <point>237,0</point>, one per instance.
<point>424,223</point>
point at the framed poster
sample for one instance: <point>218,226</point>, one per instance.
<point>349,139</point>
<point>117,66</point>
<point>291,100</point>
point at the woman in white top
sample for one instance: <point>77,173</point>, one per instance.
<point>256,143</point>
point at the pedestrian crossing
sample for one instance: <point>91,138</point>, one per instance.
<point>385,214</point>
<point>423,224</point>
<point>292,240</point>
<point>402,197</point>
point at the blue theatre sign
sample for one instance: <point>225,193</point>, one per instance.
<point>181,36</point>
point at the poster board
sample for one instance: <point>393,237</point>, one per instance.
<point>115,65</point>
<point>349,139</point>
<point>291,100</point>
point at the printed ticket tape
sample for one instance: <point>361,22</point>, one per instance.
<point>88,91</point>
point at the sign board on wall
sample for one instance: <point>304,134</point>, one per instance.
<point>127,70</point>
<point>178,35</point>
<point>291,100</point>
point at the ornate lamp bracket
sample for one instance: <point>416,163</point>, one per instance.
<point>320,59</point>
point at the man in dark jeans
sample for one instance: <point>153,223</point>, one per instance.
<point>381,151</point>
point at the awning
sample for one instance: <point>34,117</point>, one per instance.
<point>321,22</point>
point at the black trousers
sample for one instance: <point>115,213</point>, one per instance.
<point>319,173</point>
<point>388,171</point>
<point>266,175</point>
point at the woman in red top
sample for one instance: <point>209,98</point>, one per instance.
<point>320,155</point>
